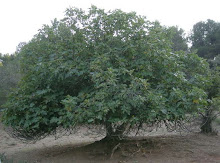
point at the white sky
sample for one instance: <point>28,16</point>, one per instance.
<point>21,19</point>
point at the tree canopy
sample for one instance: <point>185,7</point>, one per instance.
<point>111,68</point>
<point>205,38</point>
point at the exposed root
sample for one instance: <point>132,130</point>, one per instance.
<point>114,149</point>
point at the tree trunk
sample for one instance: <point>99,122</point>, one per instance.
<point>115,133</point>
<point>109,130</point>
<point>207,125</point>
<point>207,122</point>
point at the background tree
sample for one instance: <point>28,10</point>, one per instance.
<point>9,75</point>
<point>205,38</point>
<point>215,62</point>
<point>111,68</point>
<point>178,39</point>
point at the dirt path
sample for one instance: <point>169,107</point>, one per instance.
<point>17,149</point>
<point>194,148</point>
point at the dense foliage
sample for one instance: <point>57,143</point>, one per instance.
<point>111,68</point>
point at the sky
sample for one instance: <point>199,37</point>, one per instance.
<point>20,20</point>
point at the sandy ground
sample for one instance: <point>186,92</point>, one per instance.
<point>158,146</point>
